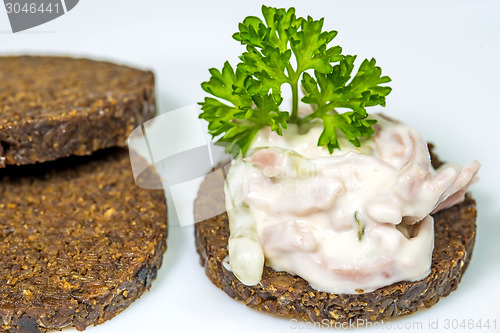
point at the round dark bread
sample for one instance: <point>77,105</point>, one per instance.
<point>289,295</point>
<point>52,107</point>
<point>79,241</point>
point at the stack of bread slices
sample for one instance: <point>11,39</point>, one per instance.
<point>79,240</point>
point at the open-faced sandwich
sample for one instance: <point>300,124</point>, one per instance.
<point>332,213</point>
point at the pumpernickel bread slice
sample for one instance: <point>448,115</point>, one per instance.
<point>289,295</point>
<point>79,241</point>
<point>52,107</point>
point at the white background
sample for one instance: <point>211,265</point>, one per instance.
<point>443,58</point>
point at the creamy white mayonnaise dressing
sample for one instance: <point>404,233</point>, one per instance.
<point>349,222</point>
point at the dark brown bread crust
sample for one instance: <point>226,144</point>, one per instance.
<point>52,107</point>
<point>287,295</point>
<point>79,241</point>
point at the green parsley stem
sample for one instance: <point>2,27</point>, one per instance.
<point>307,119</point>
<point>295,103</point>
<point>294,84</point>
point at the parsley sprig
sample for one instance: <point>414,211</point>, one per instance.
<point>286,49</point>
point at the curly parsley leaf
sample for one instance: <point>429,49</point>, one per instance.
<point>239,120</point>
<point>285,49</point>
<point>336,90</point>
